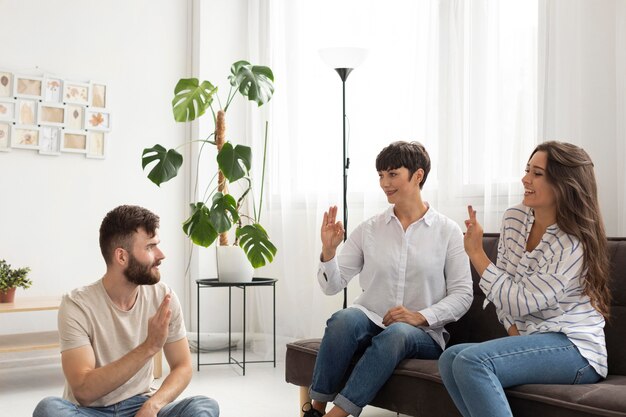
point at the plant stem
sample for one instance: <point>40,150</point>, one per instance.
<point>196,140</point>
<point>230,97</point>
<point>207,194</point>
<point>258,219</point>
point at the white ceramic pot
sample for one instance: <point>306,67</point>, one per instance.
<point>233,265</point>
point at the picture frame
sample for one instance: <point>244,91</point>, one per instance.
<point>26,112</point>
<point>50,140</point>
<point>96,144</point>
<point>54,115</point>
<point>74,116</point>
<point>74,141</point>
<point>6,84</point>
<point>97,119</point>
<point>76,92</point>
<point>52,89</point>
<point>5,136</point>
<point>25,137</point>
<point>7,109</point>
<point>27,86</point>
<point>51,114</point>
<point>98,94</point>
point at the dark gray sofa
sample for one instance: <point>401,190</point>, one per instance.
<point>416,389</point>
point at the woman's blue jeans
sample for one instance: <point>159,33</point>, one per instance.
<point>198,406</point>
<point>475,374</point>
<point>349,332</point>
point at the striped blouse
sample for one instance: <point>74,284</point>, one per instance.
<point>541,291</point>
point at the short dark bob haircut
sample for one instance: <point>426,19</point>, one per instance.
<point>410,155</point>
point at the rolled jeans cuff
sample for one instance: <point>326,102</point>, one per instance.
<point>318,396</point>
<point>347,405</point>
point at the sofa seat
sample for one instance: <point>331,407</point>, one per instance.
<point>605,398</point>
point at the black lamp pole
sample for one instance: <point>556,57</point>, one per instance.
<point>343,74</point>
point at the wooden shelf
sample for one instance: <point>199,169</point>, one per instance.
<point>23,342</point>
<point>23,304</point>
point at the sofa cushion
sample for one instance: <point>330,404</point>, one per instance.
<point>615,330</point>
<point>605,398</point>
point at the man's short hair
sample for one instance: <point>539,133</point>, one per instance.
<point>119,226</point>
<point>411,155</point>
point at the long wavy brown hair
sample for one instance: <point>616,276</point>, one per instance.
<point>570,172</point>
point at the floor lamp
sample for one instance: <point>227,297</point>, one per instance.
<point>344,60</point>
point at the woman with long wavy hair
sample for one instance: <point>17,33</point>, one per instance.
<point>549,286</point>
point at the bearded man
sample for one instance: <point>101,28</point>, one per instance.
<point>110,330</point>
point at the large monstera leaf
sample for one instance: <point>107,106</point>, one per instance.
<point>191,99</point>
<point>254,241</point>
<point>223,212</point>
<point>253,81</point>
<point>169,162</point>
<point>198,226</point>
<point>234,162</point>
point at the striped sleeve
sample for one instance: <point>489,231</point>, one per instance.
<point>541,286</point>
<point>504,318</point>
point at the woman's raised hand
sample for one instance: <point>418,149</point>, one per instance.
<point>331,233</point>
<point>473,240</point>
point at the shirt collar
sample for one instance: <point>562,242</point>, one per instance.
<point>428,218</point>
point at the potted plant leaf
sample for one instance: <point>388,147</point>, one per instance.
<point>220,211</point>
<point>10,279</point>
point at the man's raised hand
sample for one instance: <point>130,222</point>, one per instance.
<point>158,325</point>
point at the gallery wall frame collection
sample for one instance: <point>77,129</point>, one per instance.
<point>53,115</point>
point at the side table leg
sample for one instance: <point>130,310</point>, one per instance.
<point>244,330</point>
<point>198,324</point>
<point>274,307</point>
<point>229,325</point>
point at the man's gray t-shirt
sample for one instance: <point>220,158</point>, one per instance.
<point>87,316</point>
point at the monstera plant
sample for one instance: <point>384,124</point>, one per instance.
<point>214,216</point>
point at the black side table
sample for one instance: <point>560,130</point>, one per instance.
<point>256,282</point>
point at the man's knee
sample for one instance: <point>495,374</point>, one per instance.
<point>201,406</point>
<point>51,406</point>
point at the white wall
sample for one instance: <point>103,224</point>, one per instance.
<point>51,206</point>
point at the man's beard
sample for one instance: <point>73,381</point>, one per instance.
<point>141,274</point>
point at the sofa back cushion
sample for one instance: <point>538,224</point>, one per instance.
<point>480,324</point>
<point>615,330</point>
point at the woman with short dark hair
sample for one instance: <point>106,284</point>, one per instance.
<point>415,278</point>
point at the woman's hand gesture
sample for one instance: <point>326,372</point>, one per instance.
<point>331,233</point>
<point>473,242</point>
<point>473,239</point>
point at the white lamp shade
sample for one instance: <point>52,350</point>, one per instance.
<point>343,57</point>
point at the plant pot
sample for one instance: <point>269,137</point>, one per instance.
<point>233,265</point>
<point>8,296</point>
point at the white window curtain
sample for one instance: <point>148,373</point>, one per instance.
<point>582,90</point>
<point>478,82</point>
<point>458,76</point>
